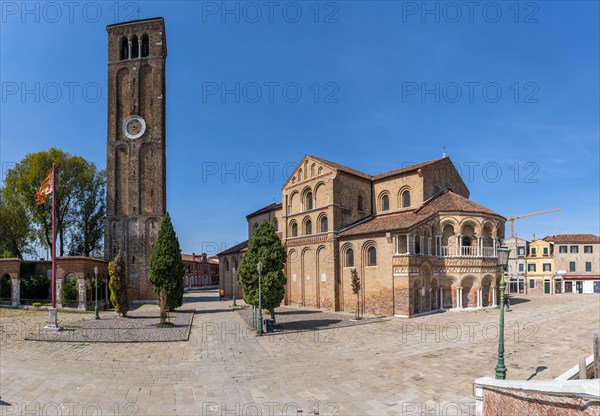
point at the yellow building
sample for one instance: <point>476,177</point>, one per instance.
<point>540,269</point>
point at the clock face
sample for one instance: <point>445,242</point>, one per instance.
<point>134,127</point>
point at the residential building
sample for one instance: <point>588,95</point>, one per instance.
<point>517,264</point>
<point>540,269</point>
<point>201,271</point>
<point>577,259</point>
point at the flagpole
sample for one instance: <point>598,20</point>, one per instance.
<point>53,236</point>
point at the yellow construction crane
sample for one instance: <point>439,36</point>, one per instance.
<point>512,219</point>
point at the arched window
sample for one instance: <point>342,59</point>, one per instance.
<point>360,203</point>
<point>309,200</point>
<point>135,47</point>
<point>227,265</point>
<point>299,175</point>
<point>255,226</point>
<point>385,203</point>
<point>406,199</point>
<point>124,48</point>
<point>350,258</point>
<point>294,230</point>
<point>308,227</point>
<point>372,254</point>
<point>324,225</point>
<point>466,242</point>
<point>276,225</point>
<point>145,46</point>
<point>312,170</point>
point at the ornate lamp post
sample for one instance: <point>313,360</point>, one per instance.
<point>259,327</point>
<point>503,253</point>
<point>233,284</point>
<point>96,283</point>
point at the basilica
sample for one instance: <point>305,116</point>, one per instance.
<point>417,242</point>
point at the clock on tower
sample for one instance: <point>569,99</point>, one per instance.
<point>135,169</point>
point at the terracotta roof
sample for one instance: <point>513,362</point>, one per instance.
<point>234,249</point>
<point>343,168</point>
<point>448,201</point>
<point>573,238</point>
<point>192,257</point>
<point>408,168</point>
<point>271,207</point>
<point>445,201</point>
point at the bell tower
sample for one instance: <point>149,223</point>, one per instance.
<point>135,168</point>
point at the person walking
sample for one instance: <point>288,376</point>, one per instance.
<point>507,304</point>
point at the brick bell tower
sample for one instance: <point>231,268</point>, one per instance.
<point>135,168</point>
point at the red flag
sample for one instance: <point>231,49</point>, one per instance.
<point>45,189</point>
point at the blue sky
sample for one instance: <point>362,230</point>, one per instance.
<point>511,90</point>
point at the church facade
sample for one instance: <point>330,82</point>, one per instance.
<point>136,171</point>
<point>415,239</point>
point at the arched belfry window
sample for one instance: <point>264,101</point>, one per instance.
<point>135,47</point>
<point>360,203</point>
<point>145,46</point>
<point>324,225</point>
<point>294,230</point>
<point>308,227</point>
<point>124,48</point>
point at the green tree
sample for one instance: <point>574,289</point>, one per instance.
<point>118,285</point>
<point>15,228</point>
<point>33,285</point>
<point>264,246</point>
<point>166,266</point>
<point>88,225</point>
<point>73,178</point>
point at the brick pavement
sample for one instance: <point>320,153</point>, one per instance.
<point>425,364</point>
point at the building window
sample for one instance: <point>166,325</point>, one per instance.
<point>385,203</point>
<point>545,251</point>
<point>571,266</point>
<point>350,258</point>
<point>406,199</point>
<point>309,200</point>
<point>124,49</point>
<point>360,203</point>
<point>255,226</point>
<point>531,267</point>
<point>294,230</point>
<point>533,251</point>
<point>562,249</point>
<point>135,47</point>
<point>276,225</point>
<point>324,225</point>
<point>521,251</point>
<point>574,249</point>
<point>588,266</point>
<point>145,46</point>
<point>521,267</point>
<point>531,284</point>
<point>547,267</point>
<point>588,249</point>
<point>226,265</point>
<point>372,254</point>
<point>308,227</point>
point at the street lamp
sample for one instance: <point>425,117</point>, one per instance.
<point>259,327</point>
<point>96,276</point>
<point>503,253</point>
<point>233,282</point>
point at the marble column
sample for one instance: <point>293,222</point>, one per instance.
<point>494,291</point>
<point>82,300</point>
<point>58,293</point>
<point>441,298</point>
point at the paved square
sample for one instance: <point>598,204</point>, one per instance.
<point>400,366</point>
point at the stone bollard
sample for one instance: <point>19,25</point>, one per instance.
<point>582,367</point>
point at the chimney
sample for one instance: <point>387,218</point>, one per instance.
<point>193,256</point>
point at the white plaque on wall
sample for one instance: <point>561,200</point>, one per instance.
<point>323,277</point>
<point>293,278</point>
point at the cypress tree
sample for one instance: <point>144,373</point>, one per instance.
<point>166,266</point>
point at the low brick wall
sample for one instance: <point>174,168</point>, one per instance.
<point>541,398</point>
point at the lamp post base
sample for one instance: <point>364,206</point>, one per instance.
<point>53,321</point>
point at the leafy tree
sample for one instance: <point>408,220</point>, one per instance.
<point>88,225</point>
<point>75,177</point>
<point>118,285</point>
<point>166,266</point>
<point>69,290</point>
<point>355,283</point>
<point>15,228</point>
<point>264,246</point>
